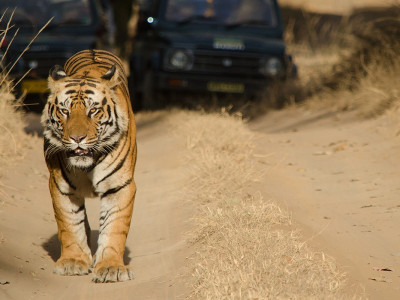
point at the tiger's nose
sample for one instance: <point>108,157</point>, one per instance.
<point>77,138</point>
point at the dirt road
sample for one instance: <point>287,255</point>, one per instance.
<point>336,173</point>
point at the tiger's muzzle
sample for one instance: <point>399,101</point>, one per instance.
<point>80,152</point>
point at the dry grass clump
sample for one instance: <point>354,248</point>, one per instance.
<point>12,136</point>
<point>10,121</point>
<point>376,34</point>
<point>244,256</point>
<point>224,147</point>
<point>246,248</point>
<point>11,126</point>
<point>347,61</point>
<point>376,93</point>
<point>13,140</point>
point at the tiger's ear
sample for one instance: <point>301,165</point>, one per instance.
<point>57,72</point>
<point>111,76</point>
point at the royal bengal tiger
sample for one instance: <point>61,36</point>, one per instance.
<point>90,150</point>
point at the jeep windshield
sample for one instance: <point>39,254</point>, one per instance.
<point>229,13</point>
<point>39,12</point>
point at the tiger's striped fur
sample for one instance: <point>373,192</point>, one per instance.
<point>90,150</point>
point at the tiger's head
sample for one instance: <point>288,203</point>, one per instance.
<point>82,117</point>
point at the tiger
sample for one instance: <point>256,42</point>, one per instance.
<point>90,151</point>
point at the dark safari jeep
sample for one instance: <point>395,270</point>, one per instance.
<point>76,25</point>
<point>228,46</point>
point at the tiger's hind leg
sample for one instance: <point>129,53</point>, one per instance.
<point>115,218</point>
<point>73,229</point>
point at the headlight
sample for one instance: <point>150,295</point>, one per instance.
<point>271,67</point>
<point>180,59</point>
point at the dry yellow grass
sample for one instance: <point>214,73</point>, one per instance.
<point>246,248</point>
<point>11,126</point>
<point>13,139</point>
<point>377,93</point>
<point>355,67</point>
<point>335,6</point>
<point>12,136</point>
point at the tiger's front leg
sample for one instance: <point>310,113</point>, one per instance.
<point>115,218</point>
<point>73,232</point>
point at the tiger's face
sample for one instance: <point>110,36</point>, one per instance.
<point>81,117</point>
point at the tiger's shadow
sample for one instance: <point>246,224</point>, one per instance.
<point>53,247</point>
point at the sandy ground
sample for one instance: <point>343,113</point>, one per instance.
<point>336,173</point>
<point>338,176</point>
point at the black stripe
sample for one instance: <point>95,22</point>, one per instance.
<point>100,59</point>
<point>120,164</point>
<point>106,139</point>
<point>124,232</point>
<point>74,243</point>
<point>110,123</point>
<point>104,220</point>
<point>110,213</point>
<point>108,110</point>
<point>92,80</point>
<point>79,209</point>
<point>51,110</point>
<point>64,175</point>
<point>59,189</point>
<point>116,126</point>
<point>91,57</point>
<point>83,64</point>
<point>90,168</point>
<point>116,189</point>
<point>101,229</point>
<point>115,115</point>
<point>78,223</point>
<point>126,139</point>
<point>115,144</point>
<point>99,160</point>
<point>54,136</point>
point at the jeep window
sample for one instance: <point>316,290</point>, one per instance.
<point>229,13</point>
<point>37,13</point>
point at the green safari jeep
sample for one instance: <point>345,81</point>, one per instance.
<point>221,46</point>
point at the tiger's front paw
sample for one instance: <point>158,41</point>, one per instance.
<point>71,266</point>
<point>112,274</point>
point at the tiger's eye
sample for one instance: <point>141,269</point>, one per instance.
<point>93,110</point>
<point>64,111</point>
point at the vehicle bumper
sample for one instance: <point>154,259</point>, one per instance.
<point>34,86</point>
<point>198,83</point>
